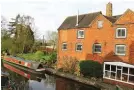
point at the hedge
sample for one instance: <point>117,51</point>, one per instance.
<point>91,68</point>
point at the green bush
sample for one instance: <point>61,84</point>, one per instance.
<point>45,58</point>
<point>91,68</point>
<point>39,53</point>
<point>50,57</point>
<point>53,56</point>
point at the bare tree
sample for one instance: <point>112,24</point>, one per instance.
<point>52,37</point>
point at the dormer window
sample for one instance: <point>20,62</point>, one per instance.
<point>80,34</point>
<point>121,33</point>
<point>100,24</point>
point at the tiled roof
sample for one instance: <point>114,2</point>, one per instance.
<point>112,18</point>
<point>83,21</point>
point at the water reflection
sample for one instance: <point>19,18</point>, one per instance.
<point>65,84</point>
<point>36,82</point>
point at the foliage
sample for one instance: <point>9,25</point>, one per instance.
<point>36,46</point>
<point>49,58</point>
<point>39,53</point>
<point>91,68</point>
<point>69,64</point>
<point>6,42</point>
<point>32,56</point>
<point>40,56</point>
<point>24,36</point>
<point>53,56</point>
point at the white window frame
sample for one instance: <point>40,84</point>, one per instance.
<point>94,48</point>
<point>121,36</point>
<point>78,36</point>
<point>77,46</point>
<point>109,77</point>
<point>63,46</point>
<point>119,46</point>
<point>98,24</point>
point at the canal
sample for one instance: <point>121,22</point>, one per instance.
<point>30,81</point>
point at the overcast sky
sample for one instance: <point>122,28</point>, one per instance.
<point>49,14</point>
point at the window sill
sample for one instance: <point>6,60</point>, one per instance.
<point>120,37</point>
<point>64,49</point>
<point>78,50</point>
<point>99,27</point>
<point>80,38</point>
<point>120,54</point>
<point>97,52</point>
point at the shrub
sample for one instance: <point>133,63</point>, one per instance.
<point>69,64</point>
<point>91,68</point>
<point>39,53</point>
<point>45,58</point>
<point>53,56</point>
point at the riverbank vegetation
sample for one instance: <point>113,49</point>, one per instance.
<point>85,68</point>
<point>70,65</point>
<point>40,56</point>
<point>18,38</point>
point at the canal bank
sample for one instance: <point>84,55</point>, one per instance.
<point>98,84</point>
<point>95,83</point>
<point>51,82</point>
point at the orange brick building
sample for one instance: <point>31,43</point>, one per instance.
<point>81,40</point>
<point>98,37</point>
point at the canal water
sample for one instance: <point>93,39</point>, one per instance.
<point>43,82</point>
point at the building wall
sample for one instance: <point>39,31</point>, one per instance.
<point>127,17</point>
<point>105,36</point>
<point>127,20</point>
<point>118,83</point>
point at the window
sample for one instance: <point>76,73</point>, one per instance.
<point>107,74</point>
<point>78,47</point>
<point>120,49</point>
<point>131,79</point>
<point>121,33</point>
<point>120,73</point>
<point>107,67</point>
<point>100,24</point>
<point>125,70</point>
<point>131,71</point>
<point>113,75</point>
<point>97,48</point>
<point>64,46</point>
<point>113,68</point>
<point>80,34</point>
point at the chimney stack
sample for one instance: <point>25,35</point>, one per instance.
<point>109,9</point>
<point>77,18</point>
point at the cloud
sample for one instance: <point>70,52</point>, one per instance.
<point>49,14</point>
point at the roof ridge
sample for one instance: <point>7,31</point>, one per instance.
<point>112,16</point>
<point>86,14</point>
<point>84,20</point>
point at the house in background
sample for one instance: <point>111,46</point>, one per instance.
<point>106,39</point>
